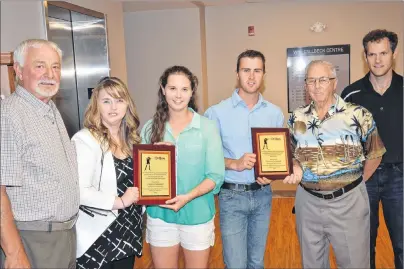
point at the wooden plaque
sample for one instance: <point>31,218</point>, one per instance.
<point>154,173</point>
<point>272,147</point>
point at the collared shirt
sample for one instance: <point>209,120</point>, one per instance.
<point>199,156</point>
<point>38,160</point>
<point>235,120</point>
<point>331,150</point>
<point>387,110</point>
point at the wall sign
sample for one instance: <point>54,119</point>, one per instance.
<point>299,58</point>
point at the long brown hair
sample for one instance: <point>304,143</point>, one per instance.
<point>128,131</point>
<point>161,116</point>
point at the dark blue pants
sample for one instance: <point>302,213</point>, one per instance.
<point>386,185</point>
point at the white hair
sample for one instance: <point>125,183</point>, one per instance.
<point>20,52</point>
<point>322,62</point>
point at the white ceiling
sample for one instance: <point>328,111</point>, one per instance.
<point>142,5</point>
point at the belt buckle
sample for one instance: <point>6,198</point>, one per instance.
<point>328,196</point>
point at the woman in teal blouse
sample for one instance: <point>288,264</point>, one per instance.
<point>187,219</point>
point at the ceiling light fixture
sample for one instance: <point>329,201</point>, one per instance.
<point>318,27</point>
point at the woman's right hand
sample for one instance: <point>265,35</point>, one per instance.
<point>131,196</point>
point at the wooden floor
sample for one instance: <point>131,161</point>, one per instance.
<point>282,247</point>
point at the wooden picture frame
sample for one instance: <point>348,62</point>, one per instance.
<point>154,173</point>
<point>7,74</point>
<point>274,156</point>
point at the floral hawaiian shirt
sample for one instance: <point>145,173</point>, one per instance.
<point>331,150</point>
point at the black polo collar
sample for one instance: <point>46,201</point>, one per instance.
<point>395,82</point>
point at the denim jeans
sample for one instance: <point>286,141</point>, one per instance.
<point>386,185</point>
<point>244,225</point>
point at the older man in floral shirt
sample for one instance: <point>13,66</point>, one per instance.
<point>338,148</point>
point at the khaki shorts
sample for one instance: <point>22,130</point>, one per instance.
<point>192,237</point>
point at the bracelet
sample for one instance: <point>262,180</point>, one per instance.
<point>124,206</point>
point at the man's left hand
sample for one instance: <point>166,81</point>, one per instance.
<point>177,203</point>
<point>263,181</point>
<point>296,177</point>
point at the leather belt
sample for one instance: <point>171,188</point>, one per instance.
<point>242,187</point>
<point>336,193</point>
<point>46,226</point>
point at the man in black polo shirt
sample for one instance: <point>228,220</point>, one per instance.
<point>381,92</point>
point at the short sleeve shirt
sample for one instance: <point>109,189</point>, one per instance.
<point>199,156</point>
<point>38,160</point>
<point>331,151</point>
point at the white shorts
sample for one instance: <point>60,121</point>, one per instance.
<point>192,237</point>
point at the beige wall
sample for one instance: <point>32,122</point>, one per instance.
<point>285,25</point>
<point>280,26</point>
<point>20,20</point>
<point>115,31</point>
<point>30,24</point>
<point>156,40</point>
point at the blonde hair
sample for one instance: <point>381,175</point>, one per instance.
<point>128,131</point>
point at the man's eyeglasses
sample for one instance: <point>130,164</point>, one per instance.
<point>323,81</point>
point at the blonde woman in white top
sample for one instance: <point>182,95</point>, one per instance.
<point>109,227</point>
